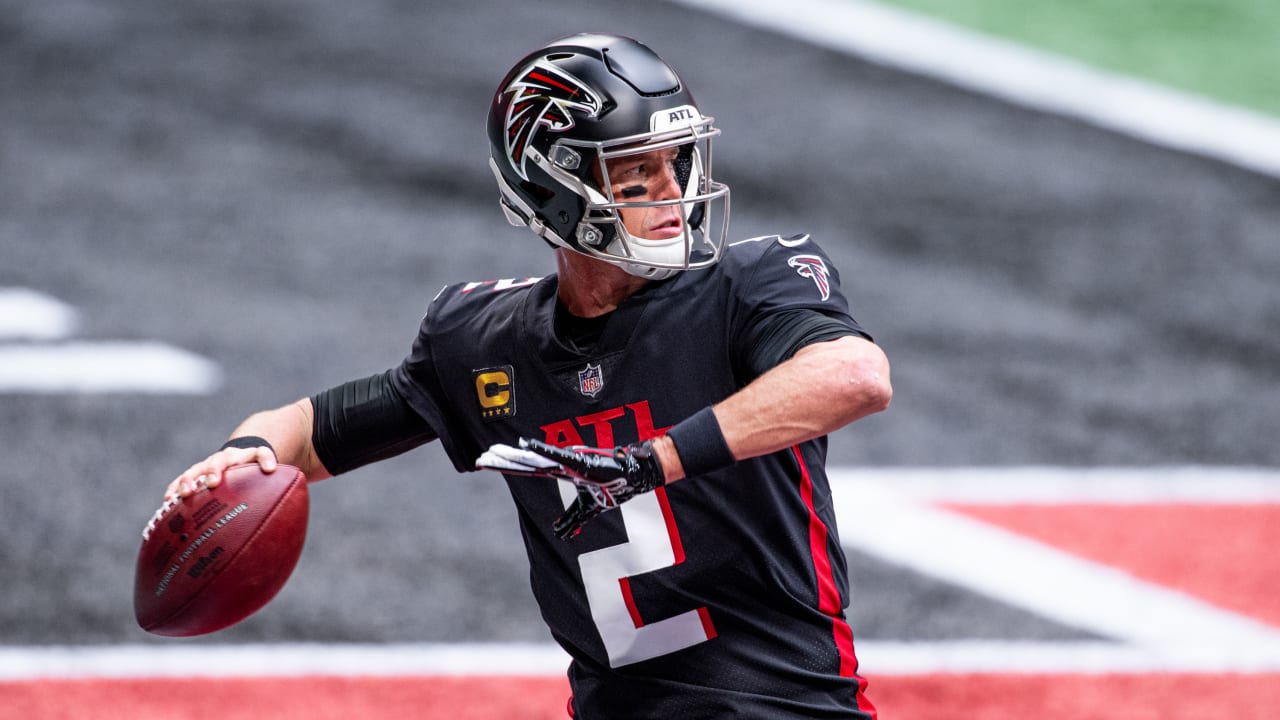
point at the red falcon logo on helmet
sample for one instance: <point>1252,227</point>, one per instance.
<point>812,267</point>
<point>543,96</point>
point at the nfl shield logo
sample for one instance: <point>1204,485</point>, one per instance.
<point>590,380</point>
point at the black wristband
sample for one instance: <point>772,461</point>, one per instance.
<point>247,442</point>
<point>700,444</point>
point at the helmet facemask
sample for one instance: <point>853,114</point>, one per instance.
<point>668,167</point>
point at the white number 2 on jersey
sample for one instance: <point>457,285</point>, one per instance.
<point>653,543</point>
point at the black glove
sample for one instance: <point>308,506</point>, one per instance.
<point>603,478</point>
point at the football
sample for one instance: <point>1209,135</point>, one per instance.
<point>216,557</point>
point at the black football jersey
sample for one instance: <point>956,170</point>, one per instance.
<point>720,595</point>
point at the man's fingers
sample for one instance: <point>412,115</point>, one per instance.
<point>548,453</point>
<point>581,460</point>
<point>172,490</point>
<point>189,481</point>
<point>505,458</point>
<point>198,477</point>
<point>582,509</point>
<point>605,478</point>
<point>523,456</point>
<point>265,459</point>
<point>208,472</point>
<point>568,525</point>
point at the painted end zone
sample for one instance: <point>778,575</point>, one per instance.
<point>1077,697</point>
<point>288,698</point>
<point>1209,551</point>
<point>926,697</point>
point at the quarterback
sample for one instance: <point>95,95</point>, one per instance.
<point>659,406</point>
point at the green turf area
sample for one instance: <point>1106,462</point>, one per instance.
<point>1224,49</point>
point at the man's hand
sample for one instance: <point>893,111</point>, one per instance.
<point>208,472</point>
<point>603,478</point>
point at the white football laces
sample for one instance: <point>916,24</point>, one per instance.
<point>166,507</point>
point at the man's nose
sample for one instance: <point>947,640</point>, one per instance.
<point>668,185</point>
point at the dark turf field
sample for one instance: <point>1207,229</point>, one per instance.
<point>282,186</point>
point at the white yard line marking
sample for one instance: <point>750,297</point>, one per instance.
<point>28,315</point>
<point>1035,485</point>
<point>890,658</point>
<point>548,660</point>
<point>288,659</point>
<point>105,367</point>
<point>32,360</point>
<point>1028,77</point>
<point>885,513</point>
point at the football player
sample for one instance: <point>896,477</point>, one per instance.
<point>659,406</point>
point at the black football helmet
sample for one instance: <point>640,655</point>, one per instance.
<point>572,108</point>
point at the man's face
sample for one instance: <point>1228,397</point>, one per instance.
<point>647,177</point>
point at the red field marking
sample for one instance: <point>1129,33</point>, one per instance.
<point>1224,554</point>
<point>287,698</point>
<point>925,697</point>
<point>1077,697</point>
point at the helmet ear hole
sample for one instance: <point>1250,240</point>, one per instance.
<point>538,193</point>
